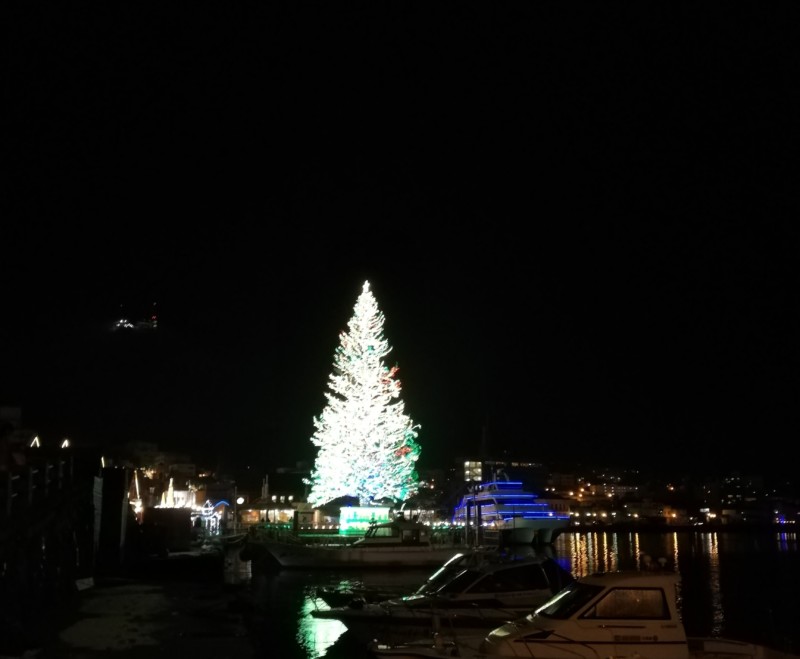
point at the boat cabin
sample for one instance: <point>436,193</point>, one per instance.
<point>396,532</point>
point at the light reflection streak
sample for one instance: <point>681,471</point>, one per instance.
<point>674,548</point>
<point>710,543</point>
<point>615,550</point>
<point>637,548</point>
<point>598,551</point>
<point>786,541</point>
<point>316,635</point>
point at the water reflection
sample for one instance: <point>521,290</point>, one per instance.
<point>283,600</point>
<point>314,635</point>
<point>585,553</point>
<point>710,554</point>
<point>787,541</point>
<point>732,584</point>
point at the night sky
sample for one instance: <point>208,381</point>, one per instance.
<point>579,221</point>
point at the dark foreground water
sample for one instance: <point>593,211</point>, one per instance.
<point>737,585</point>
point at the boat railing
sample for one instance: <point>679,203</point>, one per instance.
<point>283,534</point>
<point>454,537</point>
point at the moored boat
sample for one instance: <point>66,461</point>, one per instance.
<point>517,515</point>
<point>620,614</point>
<point>399,542</point>
<point>358,594</point>
<point>469,594</point>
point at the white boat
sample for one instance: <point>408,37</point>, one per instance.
<point>397,543</point>
<point>471,593</point>
<point>616,614</point>
<point>515,514</point>
<point>356,595</point>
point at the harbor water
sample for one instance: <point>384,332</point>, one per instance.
<point>738,585</point>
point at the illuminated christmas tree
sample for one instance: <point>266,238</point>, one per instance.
<point>366,443</point>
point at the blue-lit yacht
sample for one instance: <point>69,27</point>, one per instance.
<point>518,516</point>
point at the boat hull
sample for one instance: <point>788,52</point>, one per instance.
<point>466,646</point>
<point>395,628</point>
<point>290,555</point>
<point>472,647</point>
<point>531,532</point>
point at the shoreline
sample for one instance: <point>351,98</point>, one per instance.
<point>644,527</point>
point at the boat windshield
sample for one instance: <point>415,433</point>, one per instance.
<point>452,567</point>
<point>382,531</point>
<point>459,583</point>
<point>568,600</point>
<point>435,582</point>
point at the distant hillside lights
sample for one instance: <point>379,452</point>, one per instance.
<point>125,324</point>
<point>149,322</point>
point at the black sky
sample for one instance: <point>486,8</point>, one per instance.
<point>579,222</point>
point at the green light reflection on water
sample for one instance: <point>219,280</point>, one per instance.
<point>316,635</point>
